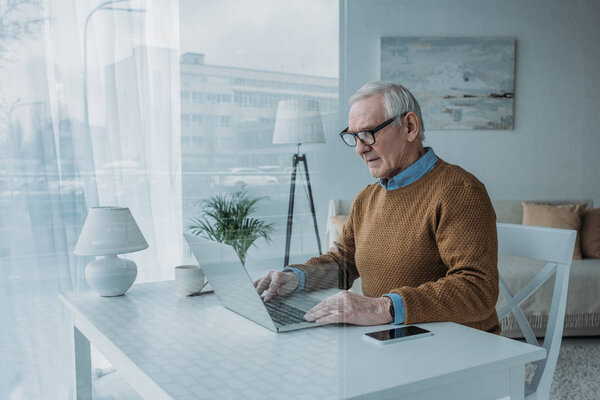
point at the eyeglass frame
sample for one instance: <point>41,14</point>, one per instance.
<point>371,131</point>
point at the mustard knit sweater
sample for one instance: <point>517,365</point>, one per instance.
<point>433,242</point>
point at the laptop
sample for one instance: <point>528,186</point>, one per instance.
<point>235,289</point>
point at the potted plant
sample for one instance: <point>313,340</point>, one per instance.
<point>226,219</point>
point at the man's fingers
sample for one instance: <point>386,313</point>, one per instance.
<point>317,314</point>
<point>273,282</point>
<point>332,318</point>
<point>326,307</point>
<point>323,304</point>
<point>328,316</point>
<point>332,309</point>
<point>263,284</point>
<point>270,293</point>
<point>276,282</point>
<point>280,291</point>
<point>316,309</point>
<point>272,290</point>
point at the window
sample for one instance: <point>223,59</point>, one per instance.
<point>237,73</point>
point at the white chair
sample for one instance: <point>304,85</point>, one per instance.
<point>556,247</point>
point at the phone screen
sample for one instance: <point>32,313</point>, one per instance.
<point>397,333</point>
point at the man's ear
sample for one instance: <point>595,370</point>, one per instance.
<point>411,121</point>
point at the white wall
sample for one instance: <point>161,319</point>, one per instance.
<point>553,151</point>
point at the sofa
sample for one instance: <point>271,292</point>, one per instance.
<point>582,316</point>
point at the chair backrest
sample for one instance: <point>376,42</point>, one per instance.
<point>556,247</point>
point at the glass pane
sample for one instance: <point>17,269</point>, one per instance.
<point>239,62</point>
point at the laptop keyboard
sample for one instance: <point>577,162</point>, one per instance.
<point>285,314</point>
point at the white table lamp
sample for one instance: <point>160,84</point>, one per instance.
<point>298,121</point>
<point>109,231</point>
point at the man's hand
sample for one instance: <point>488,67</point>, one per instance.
<point>351,308</point>
<point>276,283</point>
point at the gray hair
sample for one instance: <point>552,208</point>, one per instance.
<point>397,100</point>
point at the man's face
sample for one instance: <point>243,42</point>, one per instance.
<point>387,155</point>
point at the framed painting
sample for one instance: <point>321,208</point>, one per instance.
<point>460,83</point>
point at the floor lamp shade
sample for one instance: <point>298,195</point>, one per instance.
<point>109,231</point>
<point>298,121</point>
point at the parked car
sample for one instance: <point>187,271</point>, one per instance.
<point>270,169</point>
<point>237,178</point>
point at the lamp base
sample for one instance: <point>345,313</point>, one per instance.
<point>111,276</point>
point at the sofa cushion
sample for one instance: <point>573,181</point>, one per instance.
<point>566,216</point>
<point>590,233</point>
<point>508,211</point>
<point>511,211</point>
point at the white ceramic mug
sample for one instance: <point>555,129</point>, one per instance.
<point>189,279</point>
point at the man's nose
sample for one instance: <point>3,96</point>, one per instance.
<point>361,148</point>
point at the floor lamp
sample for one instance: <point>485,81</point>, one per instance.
<point>298,121</point>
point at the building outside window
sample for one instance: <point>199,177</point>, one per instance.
<point>234,88</point>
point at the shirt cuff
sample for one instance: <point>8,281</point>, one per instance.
<point>399,311</point>
<point>301,277</point>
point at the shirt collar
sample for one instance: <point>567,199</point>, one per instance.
<point>413,173</point>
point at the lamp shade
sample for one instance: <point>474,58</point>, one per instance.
<point>298,121</point>
<point>109,230</point>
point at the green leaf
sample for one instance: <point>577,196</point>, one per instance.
<point>226,219</point>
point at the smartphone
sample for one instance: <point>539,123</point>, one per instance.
<point>397,334</point>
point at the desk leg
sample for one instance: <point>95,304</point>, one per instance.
<point>517,383</point>
<point>83,366</point>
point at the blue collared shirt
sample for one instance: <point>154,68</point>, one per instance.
<point>411,174</point>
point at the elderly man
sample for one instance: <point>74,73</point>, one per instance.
<point>422,238</point>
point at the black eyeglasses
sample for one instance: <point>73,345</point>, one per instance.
<point>367,137</point>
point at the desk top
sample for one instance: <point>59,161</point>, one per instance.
<point>193,348</point>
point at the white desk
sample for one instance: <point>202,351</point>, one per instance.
<point>169,347</point>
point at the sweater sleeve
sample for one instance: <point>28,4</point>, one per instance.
<point>465,233</point>
<point>337,267</point>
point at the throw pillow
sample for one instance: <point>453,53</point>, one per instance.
<point>590,233</point>
<point>339,221</point>
<point>567,216</point>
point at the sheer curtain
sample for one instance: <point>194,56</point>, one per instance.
<point>59,157</point>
